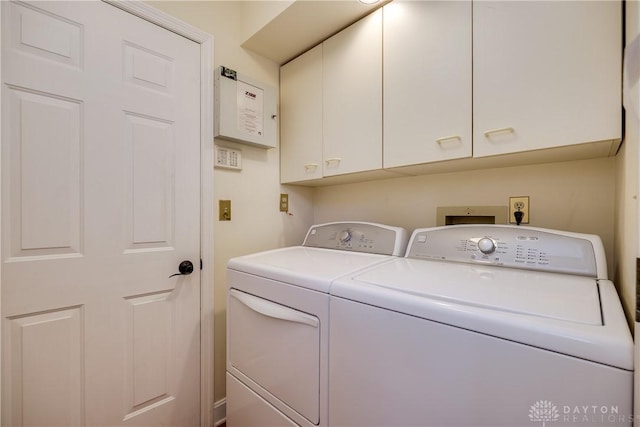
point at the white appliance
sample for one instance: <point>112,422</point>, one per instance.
<point>277,321</point>
<point>482,326</point>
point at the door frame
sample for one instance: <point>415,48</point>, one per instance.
<point>205,40</point>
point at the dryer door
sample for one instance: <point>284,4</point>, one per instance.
<point>275,350</point>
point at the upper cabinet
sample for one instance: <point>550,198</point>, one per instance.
<point>427,81</point>
<point>352,98</point>
<point>301,117</point>
<point>439,86</point>
<point>331,105</point>
<point>545,74</point>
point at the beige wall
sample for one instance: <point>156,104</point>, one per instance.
<point>576,196</point>
<point>627,242</point>
<point>257,14</point>
<point>254,192</point>
<point>626,249</point>
<point>626,231</point>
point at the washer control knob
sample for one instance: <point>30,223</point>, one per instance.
<point>486,245</point>
<point>345,236</point>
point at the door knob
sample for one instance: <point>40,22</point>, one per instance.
<point>185,268</point>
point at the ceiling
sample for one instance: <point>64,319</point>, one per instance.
<point>304,24</point>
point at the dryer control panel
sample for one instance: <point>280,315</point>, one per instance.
<point>510,246</point>
<point>358,237</point>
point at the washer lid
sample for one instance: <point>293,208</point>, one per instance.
<point>312,268</point>
<point>555,296</point>
<point>572,315</point>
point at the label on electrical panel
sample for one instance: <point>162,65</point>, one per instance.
<point>250,109</point>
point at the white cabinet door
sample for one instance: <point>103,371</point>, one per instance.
<point>301,123</point>
<point>427,81</point>
<point>545,74</point>
<point>352,98</point>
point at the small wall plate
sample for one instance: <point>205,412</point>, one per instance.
<point>228,158</point>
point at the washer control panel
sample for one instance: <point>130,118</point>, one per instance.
<point>358,237</point>
<point>518,247</point>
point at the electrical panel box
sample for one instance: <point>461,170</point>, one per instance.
<point>245,109</point>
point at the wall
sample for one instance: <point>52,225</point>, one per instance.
<point>627,237</point>
<point>254,192</point>
<point>257,14</point>
<point>626,231</point>
<point>576,196</point>
<point>627,183</point>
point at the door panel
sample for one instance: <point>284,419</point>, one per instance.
<point>150,166</point>
<point>151,324</point>
<point>101,202</point>
<point>46,382</point>
<point>45,147</point>
<point>41,33</point>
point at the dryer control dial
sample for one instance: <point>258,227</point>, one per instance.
<point>345,236</point>
<point>486,246</point>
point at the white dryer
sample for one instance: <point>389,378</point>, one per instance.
<point>278,321</point>
<point>482,326</point>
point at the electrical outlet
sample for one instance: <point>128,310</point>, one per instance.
<point>224,210</point>
<point>521,204</point>
<point>284,202</point>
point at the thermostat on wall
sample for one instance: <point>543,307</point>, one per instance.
<point>245,109</point>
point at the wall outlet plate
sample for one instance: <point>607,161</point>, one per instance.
<point>228,158</point>
<point>224,210</point>
<point>284,202</point>
<point>520,203</point>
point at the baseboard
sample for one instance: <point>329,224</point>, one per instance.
<point>220,412</point>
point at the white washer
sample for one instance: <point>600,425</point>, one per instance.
<point>482,326</point>
<point>277,321</point>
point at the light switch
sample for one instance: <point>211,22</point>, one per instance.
<point>224,210</point>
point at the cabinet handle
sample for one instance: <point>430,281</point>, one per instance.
<point>499,130</point>
<point>309,167</point>
<point>448,138</point>
<point>335,160</point>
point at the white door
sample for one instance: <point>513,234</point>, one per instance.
<point>100,203</point>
